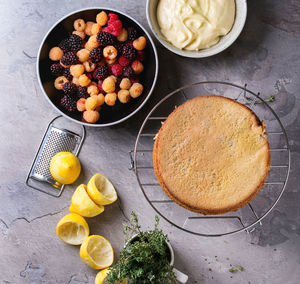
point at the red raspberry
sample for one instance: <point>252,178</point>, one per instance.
<point>106,29</point>
<point>141,55</point>
<point>112,17</point>
<point>117,69</point>
<point>100,86</point>
<point>115,27</point>
<point>123,61</point>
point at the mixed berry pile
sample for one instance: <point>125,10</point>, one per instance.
<point>98,64</point>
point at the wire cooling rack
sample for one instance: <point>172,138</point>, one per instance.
<point>246,218</point>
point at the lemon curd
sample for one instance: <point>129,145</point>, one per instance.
<point>195,24</point>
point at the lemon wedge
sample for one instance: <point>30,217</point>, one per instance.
<point>96,252</point>
<point>83,205</point>
<point>101,276</point>
<point>101,190</point>
<point>65,167</point>
<point>72,229</point>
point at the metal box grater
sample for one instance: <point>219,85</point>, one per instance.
<point>55,140</point>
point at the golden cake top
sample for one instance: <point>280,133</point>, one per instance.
<point>211,155</point>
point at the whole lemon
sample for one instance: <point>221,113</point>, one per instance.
<point>65,167</point>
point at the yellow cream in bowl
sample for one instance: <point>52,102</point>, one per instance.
<point>195,24</point>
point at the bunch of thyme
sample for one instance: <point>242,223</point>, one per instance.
<point>145,259</point>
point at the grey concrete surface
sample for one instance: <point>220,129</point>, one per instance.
<point>266,56</point>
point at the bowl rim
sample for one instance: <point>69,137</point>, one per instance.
<point>196,54</point>
<point>85,123</point>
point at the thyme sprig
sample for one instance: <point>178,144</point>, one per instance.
<point>236,268</point>
<point>268,100</point>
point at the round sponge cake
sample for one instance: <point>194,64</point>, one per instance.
<point>211,155</point>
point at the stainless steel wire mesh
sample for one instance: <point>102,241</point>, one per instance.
<point>246,218</point>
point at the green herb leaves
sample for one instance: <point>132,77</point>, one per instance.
<point>236,268</point>
<point>146,257</point>
<point>270,99</point>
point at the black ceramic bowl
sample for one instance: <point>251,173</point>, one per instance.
<point>108,115</point>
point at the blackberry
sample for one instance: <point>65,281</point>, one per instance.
<point>64,45</point>
<point>69,58</point>
<point>119,48</point>
<point>69,104</point>
<point>129,52</point>
<point>56,69</point>
<point>132,34</point>
<point>96,55</point>
<point>101,73</point>
<point>69,88</point>
<point>105,39</point>
<point>67,74</point>
<point>82,92</point>
<point>127,72</point>
<point>75,42</point>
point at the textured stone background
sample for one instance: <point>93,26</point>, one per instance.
<point>266,56</point>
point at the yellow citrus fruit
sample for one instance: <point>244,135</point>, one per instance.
<point>101,190</point>
<point>101,276</point>
<point>72,229</point>
<point>97,252</point>
<point>65,167</point>
<point>83,205</point>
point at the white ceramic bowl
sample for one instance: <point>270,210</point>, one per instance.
<point>225,41</point>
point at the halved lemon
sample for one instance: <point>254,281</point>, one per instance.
<point>97,252</point>
<point>101,278</point>
<point>65,167</point>
<point>72,229</point>
<point>83,205</point>
<point>101,190</point>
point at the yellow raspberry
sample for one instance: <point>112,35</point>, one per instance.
<point>93,90</point>
<point>91,103</point>
<point>110,99</point>
<point>125,84</point>
<point>79,25</point>
<point>124,96</point>
<point>84,80</point>
<point>136,90</point>
<point>77,70</point>
<point>102,18</point>
<point>91,116</point>
<point>109,85</point>
<point>83,55</point>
